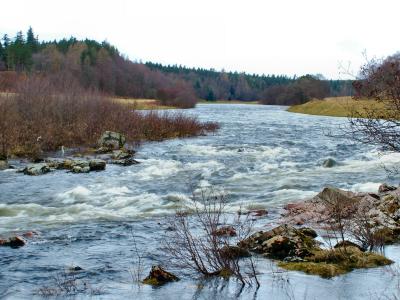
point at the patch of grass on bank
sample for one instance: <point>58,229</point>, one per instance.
<point>337,107</point>
<point>228,102</point>
<point>142,104</point>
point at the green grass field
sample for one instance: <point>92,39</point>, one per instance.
<point>336,107</point>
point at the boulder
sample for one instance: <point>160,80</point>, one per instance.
<point>124,162</point>
<point>329,163</point>
<point>112,140</point>
<point>281,242</point>
<point>36,169</point>
<point>384,188</point>
<point>345,244</point>
<point>79,169</point>
<point>158,276</point>
<point>97,165</point>
<point>122,154</point>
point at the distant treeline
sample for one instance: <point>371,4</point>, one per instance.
<point>100,66</point>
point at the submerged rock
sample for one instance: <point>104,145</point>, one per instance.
<point>112,140</point>
<point>158,276</point>
<point>13,242</point>
<point>36,169</point>
<point>329,163</point>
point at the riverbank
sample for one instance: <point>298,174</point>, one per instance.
<point>82,218</point>
<point>336,107</point>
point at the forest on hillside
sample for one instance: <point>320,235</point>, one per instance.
<point>100,66</point>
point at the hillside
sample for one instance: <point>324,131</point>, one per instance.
<point>100,66</point>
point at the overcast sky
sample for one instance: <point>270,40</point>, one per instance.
<point>257,36</point>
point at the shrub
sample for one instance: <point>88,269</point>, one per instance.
<point>44,115</point>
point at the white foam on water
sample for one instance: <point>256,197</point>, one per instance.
<point>371,187</point>
<point>207,150</point>
<point>156,168</point>
<point>77,194</point>
<point>117,190</point>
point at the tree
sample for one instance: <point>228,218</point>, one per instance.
<point>31,41</point>
<point>379,80</point>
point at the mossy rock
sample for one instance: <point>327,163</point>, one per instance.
<point>330,263</point>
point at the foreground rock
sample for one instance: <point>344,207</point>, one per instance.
<point>282,242</point>
<point>296,249</point>
<point>381,211</point>
<point>158,276</point>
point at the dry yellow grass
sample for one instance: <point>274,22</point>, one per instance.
<point>142,104</point>
<point>337,107</point>
<point>228,102</point>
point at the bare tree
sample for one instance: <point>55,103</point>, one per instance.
<point>379,80</point>
<point>204,239</point>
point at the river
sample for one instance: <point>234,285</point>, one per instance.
<point>262,157</point>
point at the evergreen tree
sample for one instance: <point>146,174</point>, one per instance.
<point>31,41</point>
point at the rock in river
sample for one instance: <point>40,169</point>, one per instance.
<point>112,140</point>
<point>36,169</point>
<point>159,276</point>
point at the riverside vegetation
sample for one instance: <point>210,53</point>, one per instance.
<point>43,116</point>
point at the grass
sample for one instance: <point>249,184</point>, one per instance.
<point>142,104</point>
<point>337,107</point>
<point>228,102</point>
<point>333,262</point>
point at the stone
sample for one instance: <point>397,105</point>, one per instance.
<point>124,162</point>
<point>384,188</point>
<point>122,154</point>
<point>225,231</point>
<point>36,169</point>
<point>345,244</point>
<point>233,252</point>
<point>13,242</point>
<point>78,169</point>
<point>97,165</point>
<point>280,242</point>
<point>112,140</point>
<point>329,163</point>
<point>308,232</point>
<point>158,276</point>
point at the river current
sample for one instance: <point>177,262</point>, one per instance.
<point>262,157</point>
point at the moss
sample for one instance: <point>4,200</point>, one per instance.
<point>151,281</point>
<point>330,263</point>
<point>322,269</point>
<point>225,273</point>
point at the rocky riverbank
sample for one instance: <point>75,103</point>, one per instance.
<point>111,150</point>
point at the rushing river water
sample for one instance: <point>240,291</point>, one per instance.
<point>261,157</point>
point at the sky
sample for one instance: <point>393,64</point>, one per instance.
<point>290,37</point>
